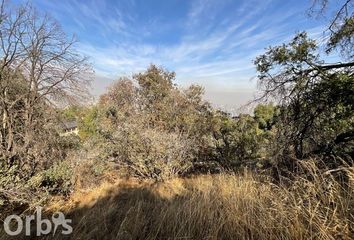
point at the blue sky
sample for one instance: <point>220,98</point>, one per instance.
<point>208,42</point>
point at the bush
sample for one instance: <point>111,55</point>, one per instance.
<point>150,153</point>
<point>152,128</point>
<point>93,172</point>
<point>58,178</point>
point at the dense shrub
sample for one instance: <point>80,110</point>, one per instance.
<point>151,127</point>
<point>150,153</point>
<point>58,179</point>
<point>154,129</point>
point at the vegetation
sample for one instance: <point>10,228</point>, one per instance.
<point>191,171</point>
<point>223,206</point>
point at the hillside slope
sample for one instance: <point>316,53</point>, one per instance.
<point>212,207</point>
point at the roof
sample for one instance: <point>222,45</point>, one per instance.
<point>69,125</point>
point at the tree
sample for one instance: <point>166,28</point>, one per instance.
<point>341,26</point>
<point>266,115</point>
<point>39,63</point>
<point>316,99</point>
<point>151,126</point>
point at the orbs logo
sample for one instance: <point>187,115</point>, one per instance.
<point>43,226</point>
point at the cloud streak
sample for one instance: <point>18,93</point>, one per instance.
<point>208,42</point>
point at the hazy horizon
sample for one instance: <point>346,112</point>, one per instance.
<point>205,42</point>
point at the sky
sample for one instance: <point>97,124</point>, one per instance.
<point>208,42</point>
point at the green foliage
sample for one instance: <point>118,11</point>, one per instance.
<point>86,117</point>
<point>69,143</point>
<point>343,37</point>
<point>57,179</point>
<point>88,123</point>
<point>240,141</point>
<point>71,113</point>
<point>99,168</point>
<point>340,28</point>
<point>151,127</point>
<point>266,115</point>
<point>316,100</point>
<point>9,177</point>
<point>156,130</point>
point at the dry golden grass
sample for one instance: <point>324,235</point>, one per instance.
<point>214,207</point>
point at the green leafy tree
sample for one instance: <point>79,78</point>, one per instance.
<point>341,26</point>
<point>238,141</point>
<point>314,97</point>
<point>87,123</point>
<point>266,115</point>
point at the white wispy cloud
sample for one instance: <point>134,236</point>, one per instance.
<point>213,50</point>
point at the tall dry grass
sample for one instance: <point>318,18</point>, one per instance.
<point>315,206</point>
